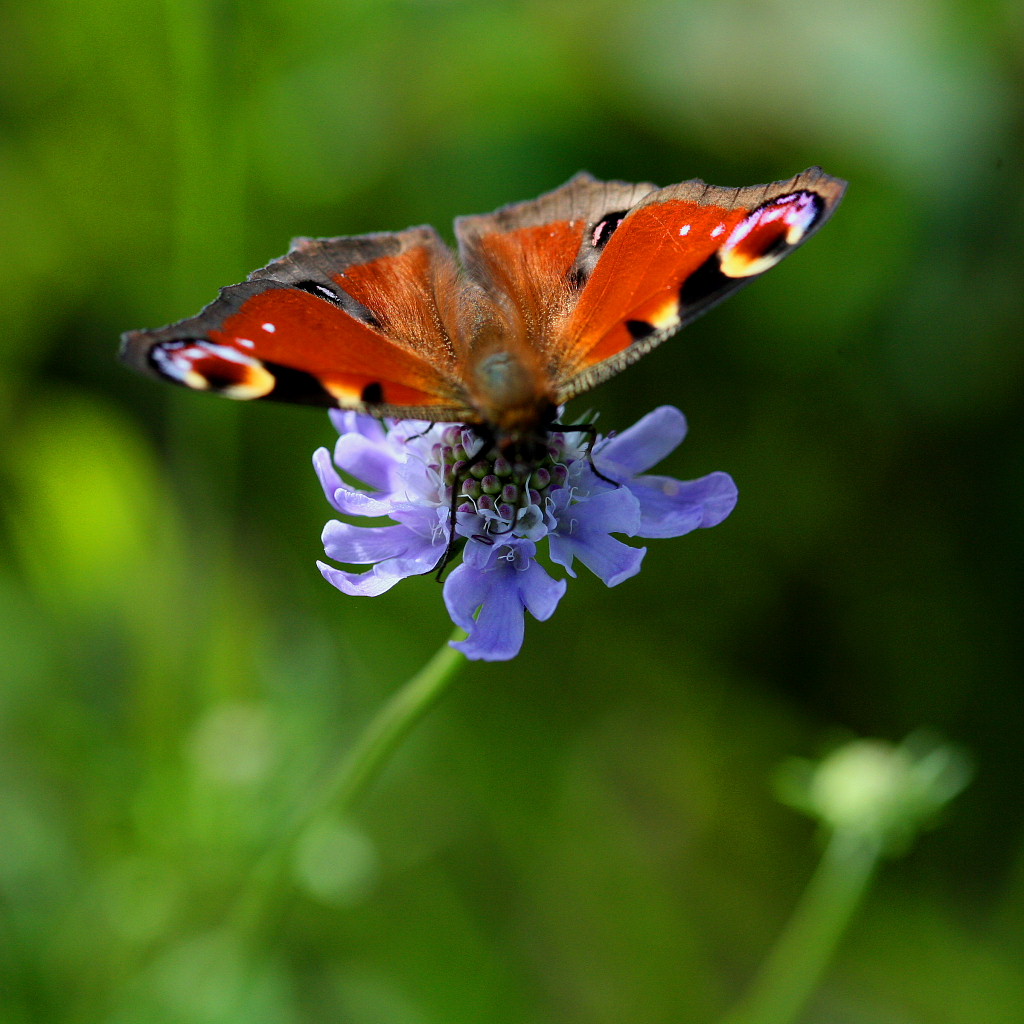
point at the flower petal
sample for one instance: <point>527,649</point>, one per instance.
<point>348,422</point>
<point>614,511</point>
<point>351,502</point>
<point>366,460</point>
<point>465,589</point>
<point>607,558</point>
<point>496,634</point>
<point>644,444</point>
<point>346,499</point>
<point>326,473</point>
<point>670,508</point>
<point>375,581</point>
<point>539,592</point>
<point>487,598</point>
<point>360,545</point>
<point>583,532</point>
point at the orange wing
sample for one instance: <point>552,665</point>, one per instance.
<point>526,257</point>
<point>672,257</point>
<point>368,323</point>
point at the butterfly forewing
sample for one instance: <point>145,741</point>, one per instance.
<point>677,253</point>
<point>349,322</point>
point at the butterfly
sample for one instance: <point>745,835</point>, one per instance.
<point>547,299</point>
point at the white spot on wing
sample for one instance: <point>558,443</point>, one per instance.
<point>685,229</point>
<point>269,328</point>
<point>718,231</point>
<point>246,342</point>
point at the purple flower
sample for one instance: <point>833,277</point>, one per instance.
<point>506,510</point>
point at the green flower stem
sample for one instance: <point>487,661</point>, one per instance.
<point>346,783</point>
<point>390,726</point>
<point>797,963</point>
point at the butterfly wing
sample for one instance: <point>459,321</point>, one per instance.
<point>526,257</point>
<point>368,323</point>
<point>670,258</point>
<point>561,292</point>
<point>529,251</point>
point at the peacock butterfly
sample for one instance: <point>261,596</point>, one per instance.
<point>553,296</point>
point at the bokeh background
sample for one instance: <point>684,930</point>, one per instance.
<point>588,833</point>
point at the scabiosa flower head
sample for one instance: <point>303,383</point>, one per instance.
<point>505,512</point>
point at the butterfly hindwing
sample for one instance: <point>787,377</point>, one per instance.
<point>534,255</point>
<point>349,322</point>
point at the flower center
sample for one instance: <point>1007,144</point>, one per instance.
<point>499,482</point>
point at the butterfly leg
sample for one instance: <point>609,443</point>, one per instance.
<point>591,431</point>
<point>459,477</point>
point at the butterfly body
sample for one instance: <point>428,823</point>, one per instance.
<point>549,298</point>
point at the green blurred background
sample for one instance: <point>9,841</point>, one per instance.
<point>588,833</point>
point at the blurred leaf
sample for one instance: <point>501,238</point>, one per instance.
<point>85,507</point>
